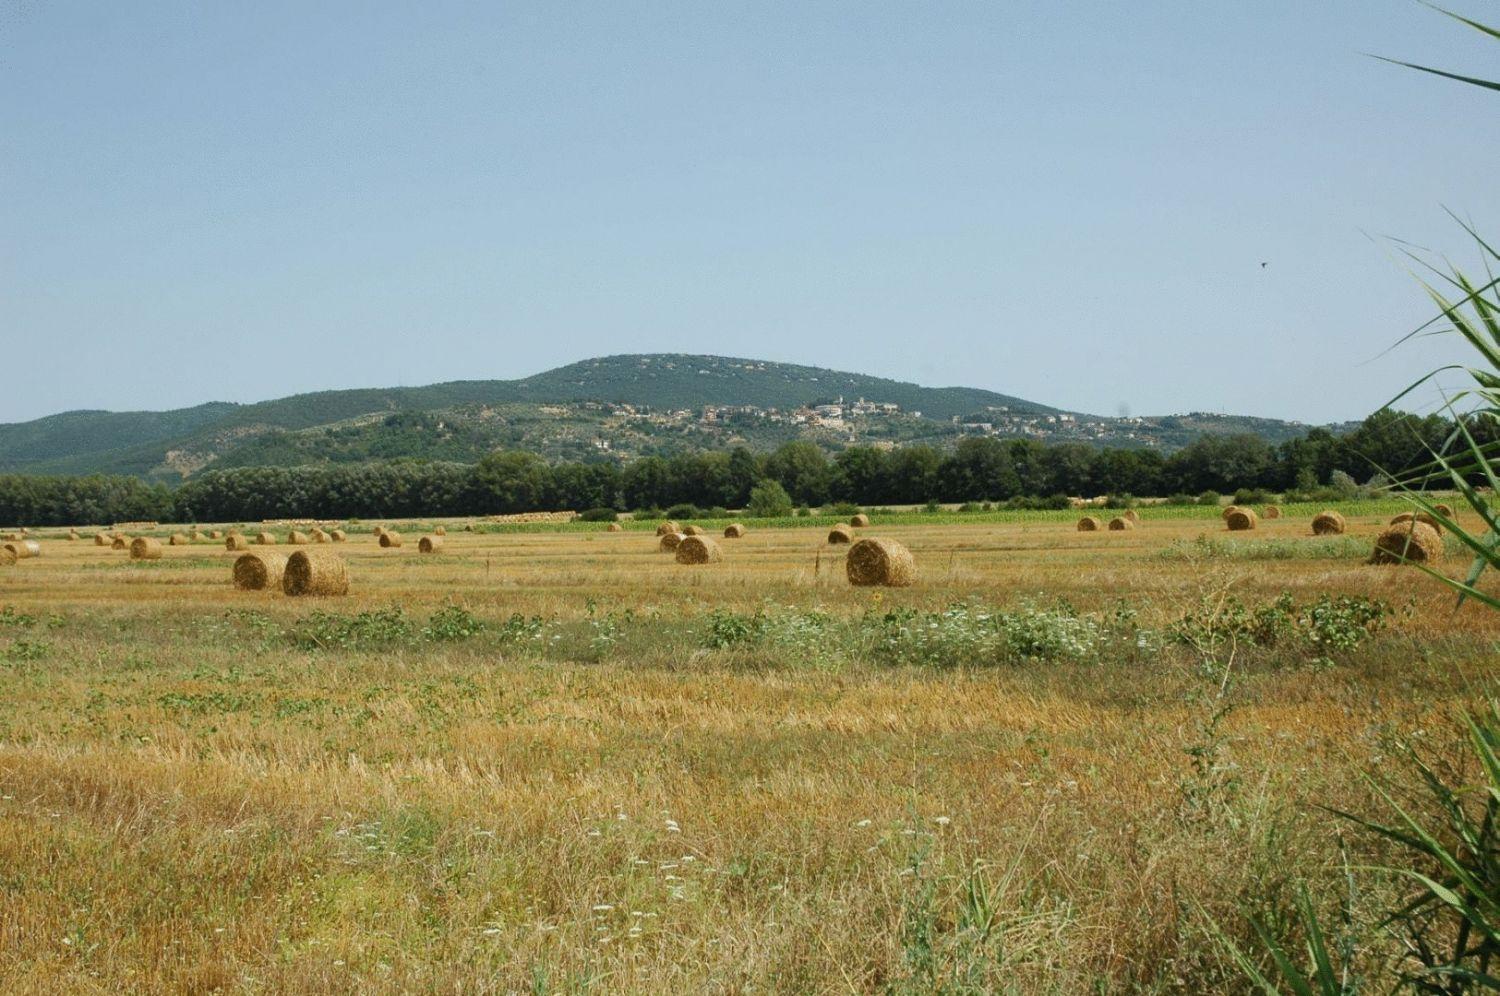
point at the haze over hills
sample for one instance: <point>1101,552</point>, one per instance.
<point>607,407</point>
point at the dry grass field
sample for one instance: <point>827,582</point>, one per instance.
<point>557,761</point>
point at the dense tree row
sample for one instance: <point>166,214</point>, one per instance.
<point>976,469</point>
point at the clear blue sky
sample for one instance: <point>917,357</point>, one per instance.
<point>1069,202</point>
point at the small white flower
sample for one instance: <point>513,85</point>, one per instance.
<point>942,821</point>
<point>603,908</point>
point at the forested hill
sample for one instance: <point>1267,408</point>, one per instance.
<point>624,405</point>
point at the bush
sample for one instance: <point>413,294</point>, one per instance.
<point>842,509</point>
<point>717,512</point>
<point>1181,498</point>
<point>1120,501</point>
<point>684,511</point>
<point>1252,496</point>
<point>599,515</point>
<point>769,500</point>
<point>932,507</point>
<point>1208,498</point>
<point>969,506</point>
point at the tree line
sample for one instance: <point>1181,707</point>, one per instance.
<point>976,469</point>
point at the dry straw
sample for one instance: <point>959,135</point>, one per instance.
<point>1228,511</point>
<point>72,534</point>
<point>734,530</point>
<point>1270,512</point>
<point>1411,541</point>
<point>23,549</point>
<point>265,539</point>
<point>841,534</point>
<point>389,539</point>
<point>295,538</point>
<point>234,541</point>
<point>102,539</point>
<point>668,527</point>
<point>178,539</point>
<point>440,530</point>
<point>120,543</point>
<point>1120,524</point>
<point>7,555</point>
<point>430,544</point>
<point>694,531</point>
<point>259,570</point>
<point>1133,516</point>
<point>1241,519</point>
<point>215,534</point>
<point>315,572</point>
<point>1328,523</point>
<point>874,561</point>
<point>860,521</point>
<point>698,550</point>
<point>669,541</point>
<point>1423,517</point>
<point>1089,524</point>
<point>319,536</point>
<point>614,527</point>
<point>145,548</point>
<point>337,535</point>
<point>1446,511</point>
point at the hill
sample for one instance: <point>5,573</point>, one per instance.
<point>610,406</point>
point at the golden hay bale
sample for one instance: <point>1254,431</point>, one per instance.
<point>860,521</point>
<point>295,538</point>
<point>72,534</point>
<point>1228,511</point>
<point>120,543</point>
<point>469,527</point>
<point>389,539</point>
<point>259,570</point>
<point>178,539</point>
<point>1241,519</point>
<point>734,530</point>
<point>694,531</point>
<point>1411,541</point>
<point>194,533</point>
<point>234,541</point>
<point>840,534</point>
<point>430,544</point>
<point>886,562</point>
<point>615,527</point>
<point>1089,524</point>
<point>1270,512</point>
<point>145,548</point>
<point>319,536</point>
<point>315,572</point>
<point>7,555</point>
<point>23,549</point>
<point>1120,524</point>
<point>265,539</point>
<point>1132,515</point>
<point>337,535</point>
<point>669,541</point>
<point>698,549</point>
<point>1424,517</point>
<point>215,534</point>
<point>439,531</point>
<point>1328,523</point>
<point>1446,511</point>
<point>14,537</point>
<point>667,528</point>
<point>101,539</point>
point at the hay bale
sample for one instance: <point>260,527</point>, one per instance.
<point>120,543</point>
<point>667,528</point>
<point>1270,512</point>
<point>860,521</point>
<point>14,537</point>
<point>101,539</point>
<point>72,534</point>
<point>698,549</point>
<point>234,541</point>
<point>178,539</point>
<point>1241,519</point>
<point>669,541</point>
<point>1132,515</point>
<point>194,533</point>
<point>885,562</point>
<point>694,531</point>
<point>1446,511</point>
<point>469,527</point>
<point>214,534</point>
<point>1423,517</point>
<point>145,548</point>
<point>315,572</point>
<point>7,555</point>
<point>1228,511</point>
<point>1120,524</point>
<point>439,531</point>
<point>840,534</point>
<point>259,570</point>
<point>614,527</point>
<point>337,535</point>
<point>430,544</point>
<point>23,549</point>
<point>1327,523</point>
<point>1412,541</point>
<point>389,539</point>
<point>265,539</point>
<point>295,538</point>
<point>1089,524</point>
<point>319,536</point>
<point>734,530</point>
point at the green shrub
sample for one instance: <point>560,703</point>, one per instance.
<point>684,511</point>
<point>1208,498</point>
<point>769,500</point>
<point>599,515</point>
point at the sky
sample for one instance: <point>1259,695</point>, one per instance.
<point>1067,202</point>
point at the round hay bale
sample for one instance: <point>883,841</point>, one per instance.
<point>377,530</point>
<point>439,531</point>
<point>698,549</point>
<point>874,561</point>
<point>337,535</point>
<point>1270,512</point>
<point>295,538</point>
<point>614,527</point>
<point>1423,517</point>
<point>145,548</point>
<point>1132,515</point>
<point>7,555</point>
<point>120,543</point>
<point>1228,511</point>
<point>1446,511</point>
<point>315,572</point>
<point>214,534</point>
<point>234,541</point>
<point>101,539</point>
<point>1089,524</point>
<point>860,521</point>
<point>668,527</point>
<point>1412,541</point>
<point>178,539</point>
<point>389,539</point>
<point>319,536</point>
<point>265,539</point>
<point>23,549</point>
<point>669,541</point>
<point>259,570</point>
<point>1241,519</point>
<point>469,527</point>
<point>1120,524</point>
<point>840,534</point>
<point>72,534</point>
<point>734,530</point>
<point>14,537</point>
<point>694,531</point>
<point>430,544</point>
<point>1327,523</point>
